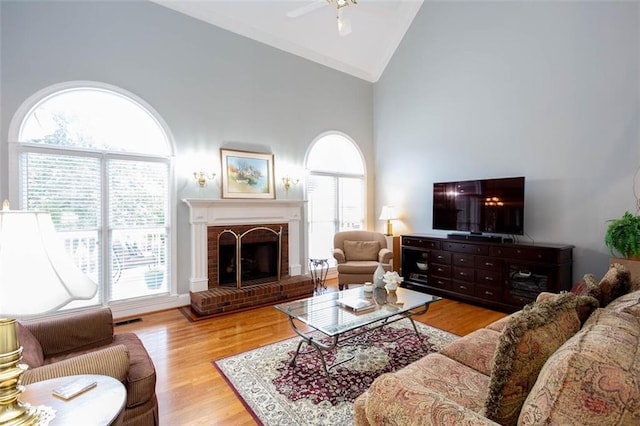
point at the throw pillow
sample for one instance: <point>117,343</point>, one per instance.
<point>586,284</point>
<point>614,284</point>
<point>32,353</point>
<point>585,305</point>
<point>525,344</point>
<point>361,250</point>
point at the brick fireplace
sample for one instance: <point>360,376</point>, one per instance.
<point>264,226</point>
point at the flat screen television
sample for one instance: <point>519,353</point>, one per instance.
<point>494,206</point>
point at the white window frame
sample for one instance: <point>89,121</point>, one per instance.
<point>363,176</point>
<point>125,307</point>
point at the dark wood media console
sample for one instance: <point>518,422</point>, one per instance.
<point>504,276</point>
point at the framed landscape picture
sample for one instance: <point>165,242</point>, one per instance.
<point>247,174</point>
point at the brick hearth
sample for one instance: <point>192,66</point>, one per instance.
<point>222,300</point>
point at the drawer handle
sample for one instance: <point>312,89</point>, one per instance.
<point>439,283</point>
<point>488,278</point>
<point>488,264</point>
<point>463,287</point>
<point>461,260</point>
<point>440,270</point>
<point>524,274</point>
<point>440,257</point>
<point>488,293</point>
<point>463,274</point>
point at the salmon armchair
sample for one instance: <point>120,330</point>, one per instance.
<point>358,254</point>
<point>85,343</point>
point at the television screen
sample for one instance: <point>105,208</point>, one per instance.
<point>477,206</point>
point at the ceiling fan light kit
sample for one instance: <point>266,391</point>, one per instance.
<point>342,3</point>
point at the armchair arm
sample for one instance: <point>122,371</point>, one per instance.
<point>112,361</point>
<point>338,254</point>
<point>385,256</point>
<point>73,333</point>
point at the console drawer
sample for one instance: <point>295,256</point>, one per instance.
<point>440,283</point>
<point>440,270</point>
<point>463,287</point>
<point>420,242</point>
<point>525,253</point>
<point>489,293</point>
<point>463,274</point>
<point>489,278</point>
<point>467,260</point>
<point>438,256</point>
<point>489,263</point>
<point>466,248</point>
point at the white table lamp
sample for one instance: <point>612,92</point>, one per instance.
<point>389,213</point>
<point>36,276</point>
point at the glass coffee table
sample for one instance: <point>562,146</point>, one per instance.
<point>325,313</point>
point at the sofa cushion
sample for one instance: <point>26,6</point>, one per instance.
<point>524,346</point>
<point>32,353</point>
<point>499,324</point>
<point>361,250</point>
<point>614,284</point>
<point>594,378</point>
<point>629,303</point>
<point>474,350</point>
<point>360,267</point>
<point>417,392</point>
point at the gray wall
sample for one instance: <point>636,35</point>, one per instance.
<point>548,90</point>
<point>213,88</point>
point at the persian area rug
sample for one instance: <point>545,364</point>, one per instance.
<point>277,393</point>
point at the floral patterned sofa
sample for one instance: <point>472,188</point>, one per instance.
<point>569,358</point>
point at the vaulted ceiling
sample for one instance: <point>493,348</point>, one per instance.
<point>309,28</point>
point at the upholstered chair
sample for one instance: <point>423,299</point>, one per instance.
<point>85,343</point>
<point>358,254</point>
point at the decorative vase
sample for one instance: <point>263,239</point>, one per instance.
<point>391,286</point>
<point>377,276</point>
<point>380,295</point>
<point>392,297</point>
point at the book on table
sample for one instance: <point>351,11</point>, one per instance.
<point>74,387</point>
<point>357,304</point>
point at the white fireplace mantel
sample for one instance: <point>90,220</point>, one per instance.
<point>204,213</point>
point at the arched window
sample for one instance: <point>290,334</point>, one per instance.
<point>335,191</point>
<point>99,160</point>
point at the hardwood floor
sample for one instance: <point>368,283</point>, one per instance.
<point>192,392</point>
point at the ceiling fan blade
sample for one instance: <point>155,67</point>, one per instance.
<point>317,4</point>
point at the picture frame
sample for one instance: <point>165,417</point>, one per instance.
<point>247,174</point>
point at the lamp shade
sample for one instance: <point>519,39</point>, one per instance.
<point>388,213</point>
<point>36,274</point>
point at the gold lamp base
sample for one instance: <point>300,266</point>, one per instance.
<point>12,411</point>
<point>389,227</point>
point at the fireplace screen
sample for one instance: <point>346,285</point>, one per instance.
<point>250,258</point>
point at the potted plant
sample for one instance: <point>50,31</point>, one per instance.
<point>153,277</point>
<point>623,236</point>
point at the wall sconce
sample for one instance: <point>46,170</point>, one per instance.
<point>287,181</point>
<point>389,213</point>
<point>202,177</point>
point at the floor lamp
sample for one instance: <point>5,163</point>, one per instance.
<point>36,276</point>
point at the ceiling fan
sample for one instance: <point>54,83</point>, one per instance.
<point>344,25</point>
<point>317,4</point>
